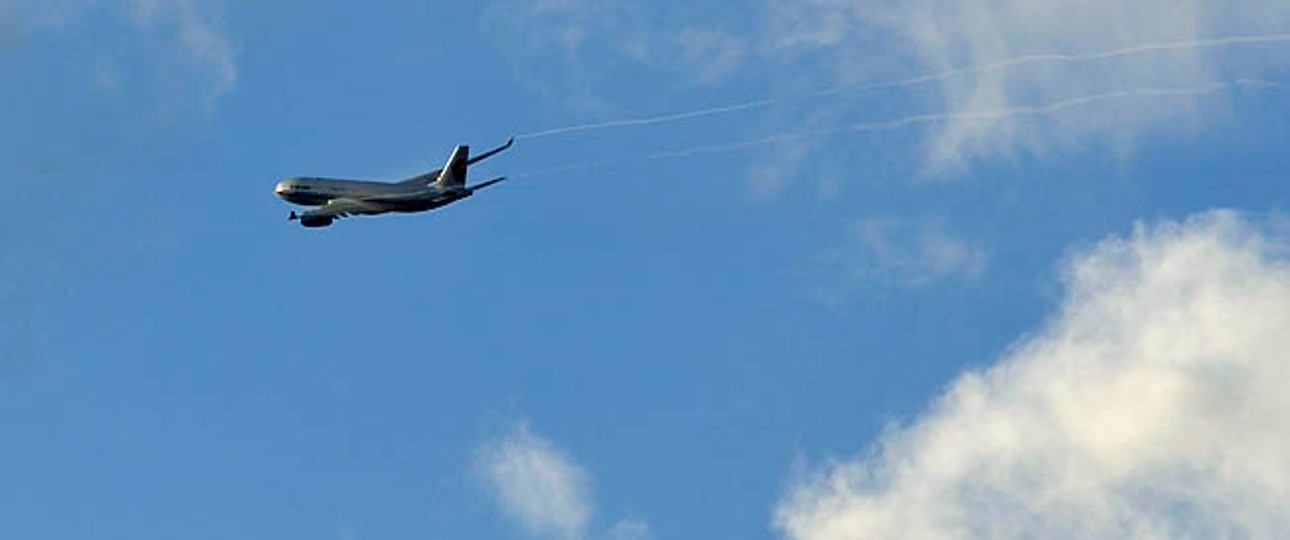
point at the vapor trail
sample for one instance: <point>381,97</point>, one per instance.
<point>916,120</point>
<point>1267,39</point>
<point>935,118</point>
<point>651,120</point>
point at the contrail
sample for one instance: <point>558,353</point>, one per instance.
<point>1001,65</point>
<point>915,120</point>
<point>651,120</point>
<point>936,118</point>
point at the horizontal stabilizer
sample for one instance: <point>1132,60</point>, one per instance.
<point>465,161</point>
<point>483,185</point>
<point>492,152</point>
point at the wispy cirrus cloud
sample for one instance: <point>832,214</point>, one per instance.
<point>889,251</point>
<point>193,32</point>
<point>1150,407</point>
<point>964,62</point>
<point>576,50</point>
<point>197,30</point>
<point>948,35</point>
<point>630,529</point>
<point>916,251</point>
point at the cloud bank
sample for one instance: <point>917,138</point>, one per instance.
<point>1152,406</point>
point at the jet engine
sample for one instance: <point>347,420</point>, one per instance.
<point>311,221</point>
<point>316,221</point>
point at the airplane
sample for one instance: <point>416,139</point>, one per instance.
<point>338,198</point>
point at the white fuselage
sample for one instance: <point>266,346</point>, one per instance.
<point>337,198</point>
<point>378,197</point>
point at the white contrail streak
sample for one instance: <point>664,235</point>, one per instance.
<point>917,120</point>
<point>936,118</point>
<point>1267,39</point>
<point>651,120</point>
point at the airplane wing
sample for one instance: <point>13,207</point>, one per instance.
<point>339,208</point>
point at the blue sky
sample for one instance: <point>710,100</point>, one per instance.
<point>837,332</point>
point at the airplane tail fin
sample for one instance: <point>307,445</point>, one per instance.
<point>453,174</point>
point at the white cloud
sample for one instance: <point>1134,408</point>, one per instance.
<point>544,490</point>
<point>539,486</point>
<point>941,35</point>
<point>1152,406</point>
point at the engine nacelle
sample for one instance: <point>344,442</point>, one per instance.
<point>316,221</point>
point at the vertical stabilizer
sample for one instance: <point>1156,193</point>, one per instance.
<point>453,174</point>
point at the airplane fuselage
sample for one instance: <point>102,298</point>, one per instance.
<point>337,198</point>
<point>386,197</point>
